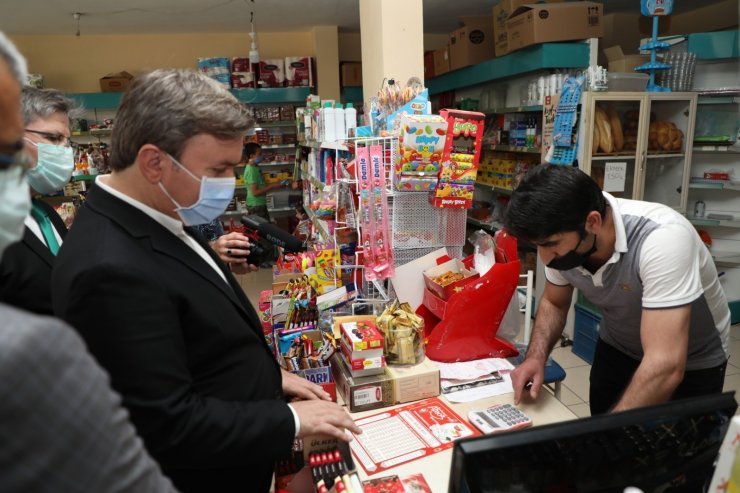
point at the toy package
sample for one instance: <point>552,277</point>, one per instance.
<point>460,159</point>
<point>421,144</point>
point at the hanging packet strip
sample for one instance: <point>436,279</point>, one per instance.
<point>367,219</point>
<point>381,247</point>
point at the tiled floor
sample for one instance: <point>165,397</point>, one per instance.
<point>574,390</point>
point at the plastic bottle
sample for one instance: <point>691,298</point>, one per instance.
<point>328,115</point>
<point>339,131</point>
<point>350,120</point>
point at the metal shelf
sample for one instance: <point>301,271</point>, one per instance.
<point>337,146</point>
<point>103,132</point>
<point>279,124</point>
<point>715,185</point>
<point>709,149</point>
<point>312,179</point>
<point>718,100</point>
<point>713,222</point>
<point>319,224</point>
<point>666,155</point>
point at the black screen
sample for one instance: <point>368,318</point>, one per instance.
<point>666,448</point>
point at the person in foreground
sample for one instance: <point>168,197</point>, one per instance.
<point>62,428</point>
<point>666,321</point>
<point>25,271</point>
<point>159,309</point>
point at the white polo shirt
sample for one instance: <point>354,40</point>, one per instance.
<point>659,261</point>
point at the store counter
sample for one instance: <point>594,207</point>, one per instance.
<point>436,468</point>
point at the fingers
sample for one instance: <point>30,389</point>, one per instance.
<point>325,418</point>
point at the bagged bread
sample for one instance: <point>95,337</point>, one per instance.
<point>606,142</point>
<point>616,128</point>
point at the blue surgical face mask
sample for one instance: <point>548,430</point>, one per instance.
<point>15,204</point>
<point>215,195</point>
<point>259,159</point>
<point>53,169</point>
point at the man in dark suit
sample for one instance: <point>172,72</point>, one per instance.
<point>163,314</point>
<point>25,271</point>
<point>62,428</point>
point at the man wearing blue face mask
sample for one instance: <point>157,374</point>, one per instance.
<point>666,322</point>
<point>62,427</point>
<point>159,309</point>
<point>25,271</point>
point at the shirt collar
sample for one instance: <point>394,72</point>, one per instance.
<point>173,225</point>
<point>620,235</point>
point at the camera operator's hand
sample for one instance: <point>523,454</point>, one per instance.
<point>324,418</point>
<point>233,248</point>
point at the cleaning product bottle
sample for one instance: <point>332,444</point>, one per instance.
<point>339,130</point>
<point>350,120</point>
<point>329,115</point>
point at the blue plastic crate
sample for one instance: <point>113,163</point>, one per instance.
<point>586,333</point>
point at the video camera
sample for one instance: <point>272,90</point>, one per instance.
<point>260,228</point>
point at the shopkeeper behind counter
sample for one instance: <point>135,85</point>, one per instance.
<point>163,314</point>
<point>666,321</point>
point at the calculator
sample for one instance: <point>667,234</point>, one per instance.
<point>498,418</point>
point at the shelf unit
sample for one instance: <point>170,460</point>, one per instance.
<point>644,173</point>
<point>538,57</point>
<point>507,148</point>
<point>490,227</point>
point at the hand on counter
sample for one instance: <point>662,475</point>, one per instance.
<point>527,379</point>
<point>324,418</point>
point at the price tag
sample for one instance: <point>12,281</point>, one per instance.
<point>614,177</point>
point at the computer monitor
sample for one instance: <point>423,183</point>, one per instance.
<point>670,447</point>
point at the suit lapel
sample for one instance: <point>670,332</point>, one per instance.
<point>37,246</point>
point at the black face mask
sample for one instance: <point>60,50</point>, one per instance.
<point>572,259</point>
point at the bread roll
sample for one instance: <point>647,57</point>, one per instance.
<point>595,140</point>
<point>616,127</point>
<point>606,142</point>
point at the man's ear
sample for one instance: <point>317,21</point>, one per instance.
<point>594,222</point>
<point>151,162</point>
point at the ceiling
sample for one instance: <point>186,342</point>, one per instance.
<point>170,16</point>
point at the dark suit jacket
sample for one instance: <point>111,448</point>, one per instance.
<point>25,270</point>
<point>184,348</point>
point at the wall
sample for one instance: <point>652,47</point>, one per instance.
<point>75,64</point>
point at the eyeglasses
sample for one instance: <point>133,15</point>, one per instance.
<point>19,158</point>
<point>54,138</point>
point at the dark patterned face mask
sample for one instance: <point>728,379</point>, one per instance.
<point>573,259</point>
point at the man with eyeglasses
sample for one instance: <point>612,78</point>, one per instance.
<point>62,428</point>
<point>25,270</point>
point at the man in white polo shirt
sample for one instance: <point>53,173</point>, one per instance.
<point>666,321</point>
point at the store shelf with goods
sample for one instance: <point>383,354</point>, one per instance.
<point>272,95</point>
<point>280,210</point>
<point>698,183</point>
<point>278,124</point>
<point>507,148</point>
<point>102,132</point>
<point>337,146</point>
<point>716,149</point>
<point>276,146</point>
<point>538,57</point>
<point>84,178</point>
<point>537,108</point>
<point>664,155</point>
<point>312,180</point>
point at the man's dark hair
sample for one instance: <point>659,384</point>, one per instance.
<point>552,199</point>
<point>250,149</point>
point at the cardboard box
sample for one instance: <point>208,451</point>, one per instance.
<point>396,385</point>
<point>501,13</point>
<point>619,62</point>
<point>351,74</point>
<point>472,43</point>
<point>428,65</point>
<point>116,81</point>
<point>454,266</point>
<point>442,60</point>
<point>534,24</point>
